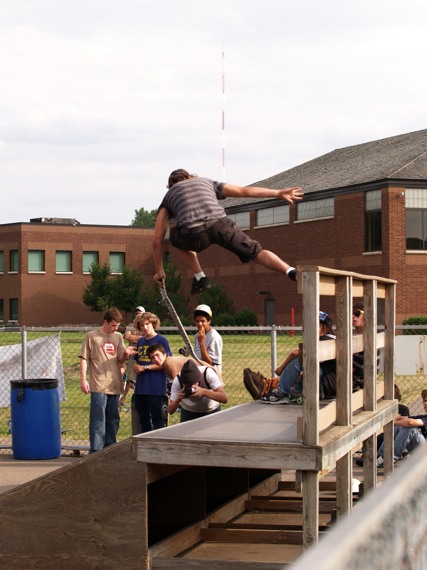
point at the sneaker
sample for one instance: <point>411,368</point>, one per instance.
<point>292,274</point>
<point>380,462</point>
<point>197,286</point>
<point>254,383</point>
<point>359,462</point>
<point>275,396</point>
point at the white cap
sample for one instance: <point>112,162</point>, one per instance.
<point>140,309</point>
<point>203,309</point>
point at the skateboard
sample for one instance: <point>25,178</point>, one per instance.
<point>285,401</point>
<point>164,301</point>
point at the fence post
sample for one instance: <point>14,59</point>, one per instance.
<point>273,349</point>
<point>24,353</point>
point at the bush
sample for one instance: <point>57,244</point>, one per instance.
<point>225,320</point>
<point>246,317</point>
<point>415,321</point>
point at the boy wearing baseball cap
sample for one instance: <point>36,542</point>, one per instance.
<point>197,391</point>
<point>207,341</point>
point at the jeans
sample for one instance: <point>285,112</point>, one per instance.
<point>104,420</point>
<point>404,438</point>
<point>290,376</point>
<point>151,411</point>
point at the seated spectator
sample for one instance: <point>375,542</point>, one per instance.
<point>291,373</point>
<point>409,432</point>
<point>403,411</point>
<point>358,357</point>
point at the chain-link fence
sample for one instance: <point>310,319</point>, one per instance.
<point>52,353</point>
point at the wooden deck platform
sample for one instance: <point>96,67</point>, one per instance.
<point>257,434</point>
<point>225,470</point>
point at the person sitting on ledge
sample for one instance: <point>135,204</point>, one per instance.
<point>278,390</point>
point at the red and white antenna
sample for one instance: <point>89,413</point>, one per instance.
<point>223,117</point>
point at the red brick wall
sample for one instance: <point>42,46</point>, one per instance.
<point>51,299</point>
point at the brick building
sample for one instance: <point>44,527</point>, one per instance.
<point>44,267</point>
<point>364,210</point>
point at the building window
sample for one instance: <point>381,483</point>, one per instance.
<point>273,216</point>
<point>373,241</point>
<point>1,261</point>
<point>315,209</point>
<point>241,219</point>
<point>90,258</point>
<point>36,261</point>
<point>13,310</point>
<point>13,261</point>
<point>1,310</point>
<point>117,261</point>
<point>64,261</point>
<point>416,219</point>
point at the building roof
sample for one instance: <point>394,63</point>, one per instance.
<point>398,157</point>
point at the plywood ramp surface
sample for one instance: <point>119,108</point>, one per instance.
<point>253,422</point>
<point>80,516</point>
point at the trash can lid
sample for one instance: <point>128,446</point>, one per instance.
<point>38,384</point>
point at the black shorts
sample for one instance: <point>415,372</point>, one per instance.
<point>223,233</point>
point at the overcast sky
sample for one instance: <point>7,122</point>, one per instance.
<point>101,99</point>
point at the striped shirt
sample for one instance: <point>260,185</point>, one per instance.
<point>194,201</point>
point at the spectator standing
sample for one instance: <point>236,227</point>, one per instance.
<point>151,381</point>
<point>132,335</point>
<point>207,341</point>
<point>104,351</point>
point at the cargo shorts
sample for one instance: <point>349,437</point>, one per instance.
<point>222,232</point>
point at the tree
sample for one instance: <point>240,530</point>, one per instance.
<point>144,219</point>
<point>96,295</point>
<point>125,290</point>
<point>105,290</point>
<point>218,300</point>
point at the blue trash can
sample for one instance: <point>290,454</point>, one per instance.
<point>36,421</point>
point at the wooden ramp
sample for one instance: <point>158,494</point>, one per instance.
<point>85,515</point>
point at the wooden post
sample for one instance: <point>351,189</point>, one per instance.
<point>344,357</point>
<point>390,331</point>
<point>311,402</point>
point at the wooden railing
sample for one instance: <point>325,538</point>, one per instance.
<point>313,283</point>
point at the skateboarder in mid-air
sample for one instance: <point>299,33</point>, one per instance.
<point>193,203</point>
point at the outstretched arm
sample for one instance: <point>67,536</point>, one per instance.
<point>288,194</point>
<point>162,224</point>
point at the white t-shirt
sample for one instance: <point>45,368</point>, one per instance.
<point>213,343</point>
